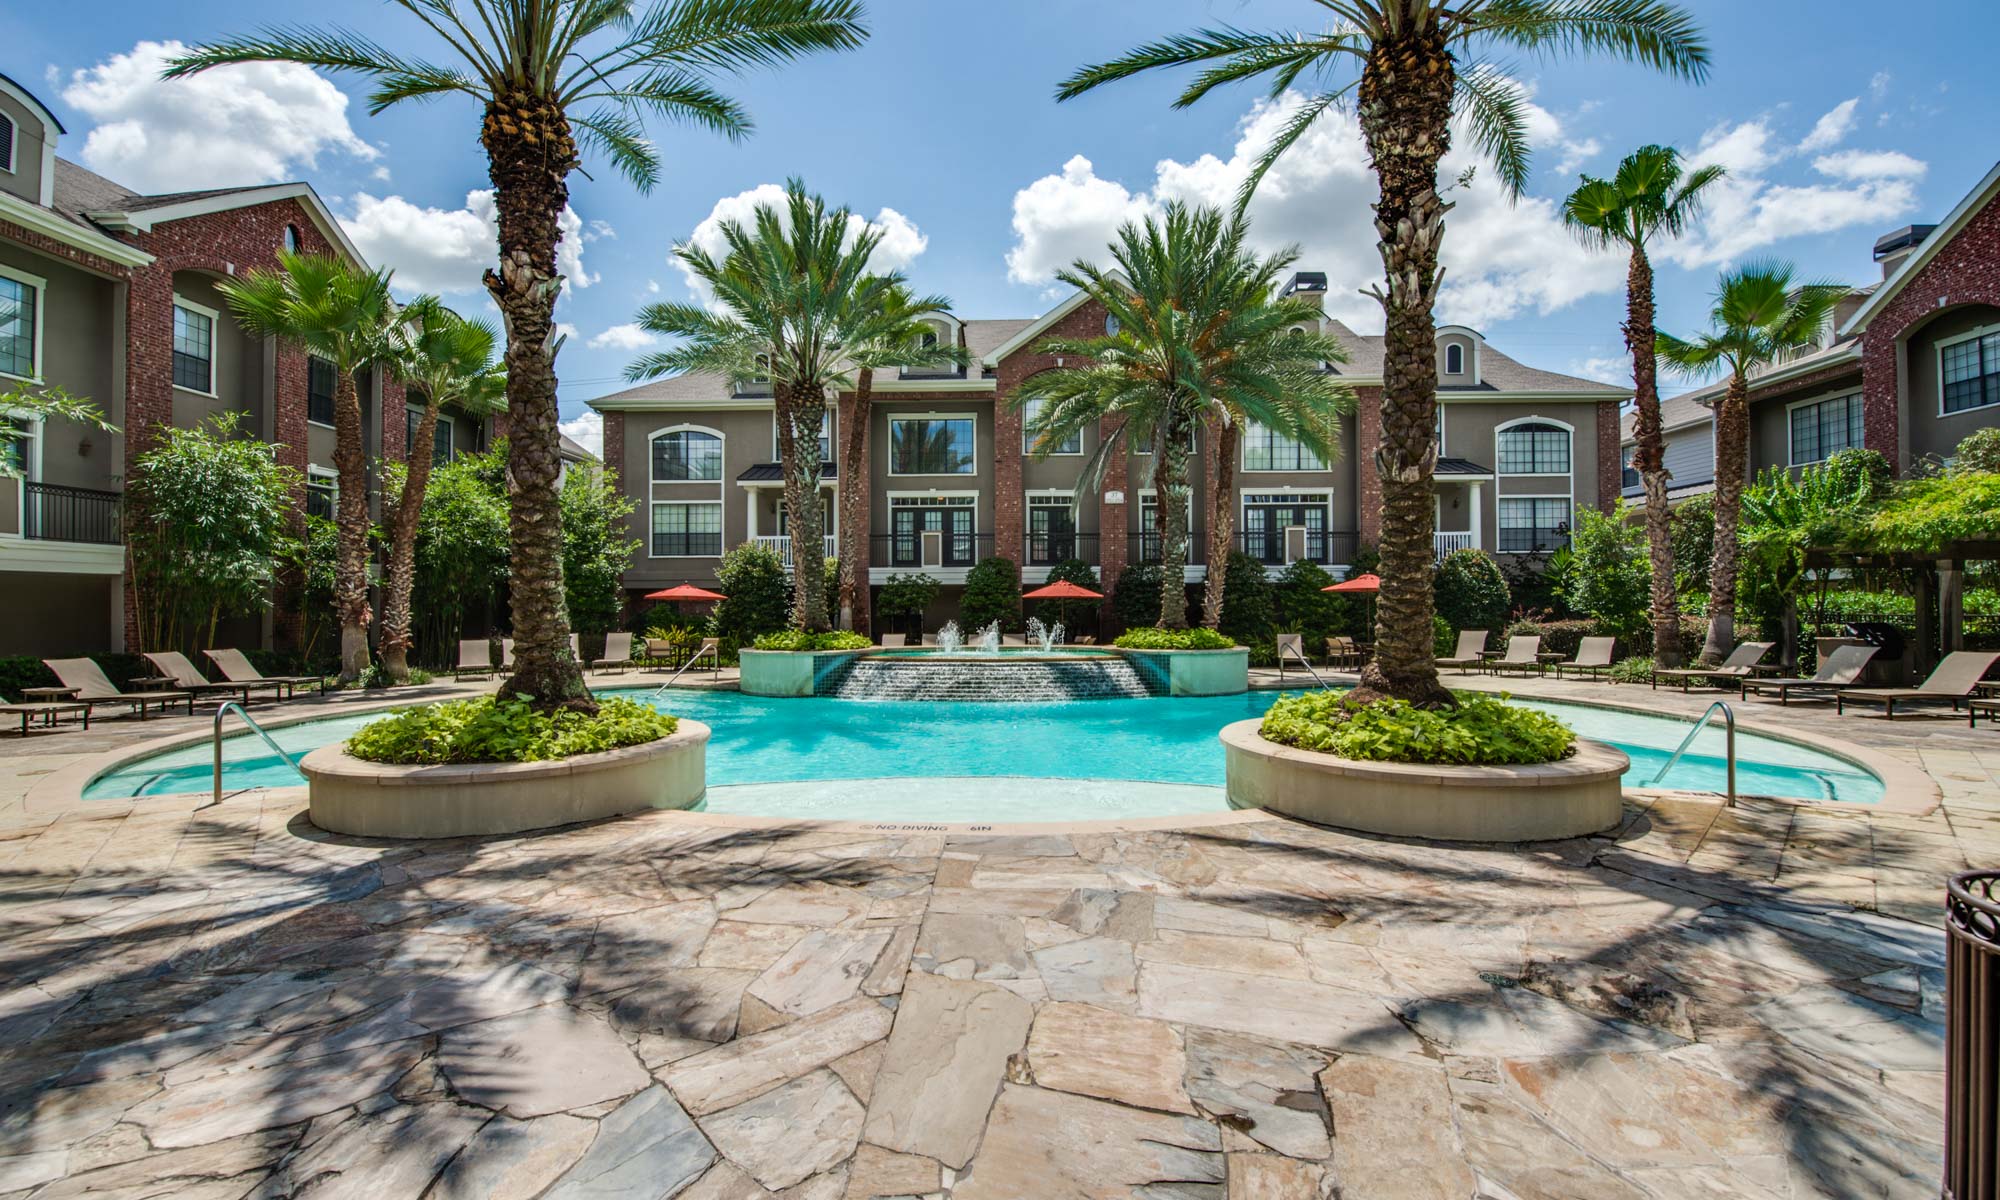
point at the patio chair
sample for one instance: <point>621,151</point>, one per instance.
<point>1738,666</point>
<point>175,666</point>
<point>659,649</point>
<point>617,652</point>
<point>576,649</point>
<point>1292,648</point>
<point>1955,680</point>
<point>1593,657</point>
<point>1084,639</point>
<point>506,654</point>
<point>236,668</point>
<point>94,689</point>
<point>1523,654</point>
<point>475,657</point>
<point>711,649</point>
<point>895,641</point>
<point>1342,652</point>
<point>1837,670</point>
<point>1468,655</point>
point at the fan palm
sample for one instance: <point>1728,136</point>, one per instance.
<point>342,314</point>
<point>793,292</point>
<point>1199,340</point>
<point>1650,196</point>
<point>1415,63</point>
<point>1760,315</point>
<point>555,78</point>
<point>447,361</point>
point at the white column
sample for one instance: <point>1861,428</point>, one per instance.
<point>1478,519</point>
<point>750,494</point>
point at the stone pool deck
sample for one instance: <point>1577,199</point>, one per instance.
<point>225,1002</point>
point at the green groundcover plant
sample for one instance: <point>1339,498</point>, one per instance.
<point>491,730</point>
<point>799,639</point>
<point>1148,637</point>
<point>1478,731</point>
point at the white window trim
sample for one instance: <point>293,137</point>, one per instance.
<point>890,449</point>
<point>1450,349</point>
<point>1153,494</point>
<point>1194,444</point>
<point>1500,500</point>
<point>832,439</point>
<point>1791,455</point>
<point>315,471</point>
<point>721,479</point>
<point>31,469</point>
<point>1937,365</point>
<point>12,143</point>
<point>1243,457</point>
<point>1243,506</point>
<point>722,528</point>
<point>214,344</point>
<point>1565,426</point>
<point>39,286</point>
<point>1028,445</point>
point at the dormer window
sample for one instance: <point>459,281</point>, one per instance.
<point>291,239</point>
<point>928,340</point>
<point>6,143</point>
<point>1454,360</point>
<point>1111,325</point>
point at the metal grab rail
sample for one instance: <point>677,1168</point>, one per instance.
<point>1303,661</point>
<point>704,652</point>
<point>222,712</point>
<point>1729,742</point>
<point>1972,1036</point>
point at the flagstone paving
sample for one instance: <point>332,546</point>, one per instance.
<point>228,1003</point>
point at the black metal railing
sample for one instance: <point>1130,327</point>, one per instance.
<point>1048,549</point>
<point>1146,548</point>
<point>1533,540</point>
<point>1972,1036</point>
<point>1323,546</point>
<point>905,551</point>
<point>54,512</point>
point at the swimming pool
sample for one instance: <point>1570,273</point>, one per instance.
<point>888,755</point>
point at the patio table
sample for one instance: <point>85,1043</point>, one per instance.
<point>46,694</point>
<point>47,711</point>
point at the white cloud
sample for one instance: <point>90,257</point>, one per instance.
<point>600,230</point>
<point>565,329</point>
<point>1613,369</point>
<point>1576,153</point>
<point>1878,86</point>
<point>586,429</point>
<point>232,126</point>
<point>1501,258</point>
<point>901,240</point>
<point>1870,164</point>
<point>1831,129</point>
<point>624,337</point>
<point>446,250</point>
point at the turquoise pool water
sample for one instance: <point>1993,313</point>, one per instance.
<point>1164,741</point>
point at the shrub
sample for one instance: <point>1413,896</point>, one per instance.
<point>489,729</point>
<point>1631,670</point>
<point>1080,612</point>
<point>1247,608</point>
<point>1444,639</point>
<point>1611,579</point>
<point>1538,584</point>
<point>992,593</point>
<point>1301,607</point>
<point>1979,453</point>
<point>1367,561</point>
<point>1150,637</point>
<point>798,639</point>
<point>375,675</point>
<point>1691,526</point>
<point>597,547</point>
<point>907,597</point>
<point>665,615</point>
<point>1471,593</point>
<point>1135,601</point>
<point>1561,637</point>
<point>1478,730</point>
<point>760,596</point>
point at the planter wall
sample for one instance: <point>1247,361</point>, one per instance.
<point>1194,672</point>
<point>1577,796</point>
<point>385,800</point>
<point>787,672</point>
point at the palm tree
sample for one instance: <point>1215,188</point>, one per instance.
<point>447,360</point>
<point>342,314</point>
<point>1199,339</point>
<point>554,78</point>
<point>1650,196</point>
<point>794,292</point>
<point>1760,315</point>
<point>895,337</point>
<point>1418,62</point>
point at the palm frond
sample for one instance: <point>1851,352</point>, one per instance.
<point>1496,115</point>
<point>1288,136</point>
<point>1658,34</point>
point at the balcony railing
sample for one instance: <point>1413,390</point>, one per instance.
<point>1282,547</point>
<point>1448,542</point>
<point>1048,549</point>
<point>782,543</point>
<point>918,550</point>
<point>53,512</point>
<point>1145,548</point>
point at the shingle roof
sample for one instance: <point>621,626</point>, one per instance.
<point>775,472</point>
<point>1693,408</point>
<point>78,191</point>
<point>573,451</point>
<point>1460,466</point>
<point>1497,371</point>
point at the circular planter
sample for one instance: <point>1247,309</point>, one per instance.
<point>387,800</point>
<point>1194,672</point>
<point>1577,796</point>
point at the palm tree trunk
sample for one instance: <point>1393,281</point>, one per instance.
<point>802,414</point>
<point>350,578</point>
<point>1170,489</point>
<point>1649,457</point>
<point>1405,109</point>
<point>854,612</point>
<point>1732,448</point>
<point>1221,521</point>
<point>401,573</point>
<point>529,154</point>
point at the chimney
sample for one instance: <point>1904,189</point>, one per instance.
<point>1892,248</point>
<point>1309,286</point>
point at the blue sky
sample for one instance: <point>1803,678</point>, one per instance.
<point>1836,128</point>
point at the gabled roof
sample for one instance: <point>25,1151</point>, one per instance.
<point>1498,373</point>
<point>136,213</point>
<point>1975,200</point>
<point>1031,330</point>
<point>1693,408</point>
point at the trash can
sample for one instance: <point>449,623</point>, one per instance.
<point>1891,665</point>
<point>1972,1037</point>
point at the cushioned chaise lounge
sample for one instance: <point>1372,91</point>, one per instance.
<point>175,665</point>
<point>235,667</point>
<point>1524,654</point>
<point>1593,657</point>
<point>617,652</point>
<point>1953,681</point>
<point>1470,643</point>
<point>1738,665</point>
<point>93,689</point>
<point>475,657</point>
<point>1837,670</point>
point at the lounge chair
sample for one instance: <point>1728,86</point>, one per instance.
<point>1291,649</point>
<point>617,652</point>
<point>475,657</point>
<point>93,689</point>
<point>1471,643</point>
<point>895,641</point>
<point>1343,653</point>
<point>43,713</point>
<point>1087,639</point>
<point>506,654</point>
<point>1523,654</point>
<point>1013,639</point>
<point>1837,670</point>
<point>576,649</point>
<point>1738,666</point>
<point>236,668</point>
<point>1955,680</point>
<point>1593,657</point>
<point>175,666</point>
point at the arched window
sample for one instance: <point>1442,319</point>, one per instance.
<point>1534,448</point>
<point>1111,325</point>
<point>929,339</point>
<point>1454,359</point>
<point>687,456</point>
<point>291,239</point>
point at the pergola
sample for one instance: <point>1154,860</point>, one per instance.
<point>1949,561</point>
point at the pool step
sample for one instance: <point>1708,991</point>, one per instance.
<point>937,678</point>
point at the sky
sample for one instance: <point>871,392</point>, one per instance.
<point>944,132</point>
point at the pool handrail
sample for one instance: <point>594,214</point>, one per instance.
<point>1729,743</point>
<point>1296,645</point>
<point>222,711</point>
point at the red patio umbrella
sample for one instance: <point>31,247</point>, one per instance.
<point>1364,584</point>
<point>1062,591</point>
<point>685,591</point>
